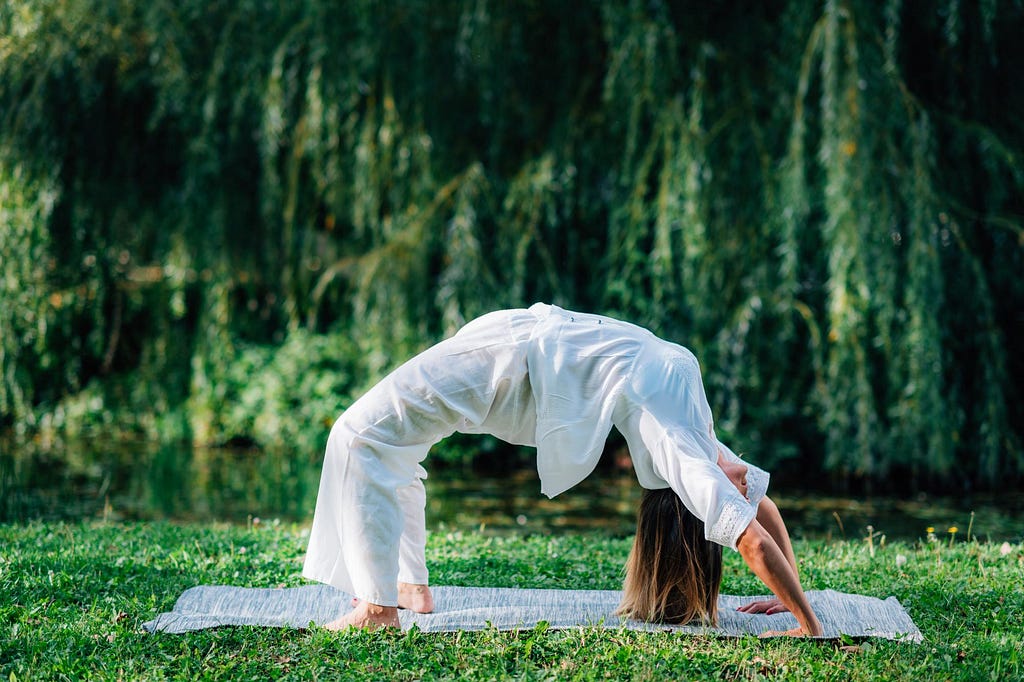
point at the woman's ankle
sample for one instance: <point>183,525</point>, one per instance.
<point>415,597</point>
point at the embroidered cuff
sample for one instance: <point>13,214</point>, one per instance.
<point>757,483</point>
<point>732,520</point>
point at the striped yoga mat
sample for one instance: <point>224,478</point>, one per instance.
<point>477,608</point>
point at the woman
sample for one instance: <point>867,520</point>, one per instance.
<point>557,380</point>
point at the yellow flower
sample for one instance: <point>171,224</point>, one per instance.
<point>953,530</point>
<point>929,529</point>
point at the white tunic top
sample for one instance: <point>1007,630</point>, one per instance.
<point>560,380</point>
<point>589,373</point>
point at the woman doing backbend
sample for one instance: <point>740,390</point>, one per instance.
<point>557,380</point>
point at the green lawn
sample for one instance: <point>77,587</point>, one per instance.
<point>73,597</point>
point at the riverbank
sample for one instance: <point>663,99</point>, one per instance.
<point>133,481</point>
<point>75,595</point>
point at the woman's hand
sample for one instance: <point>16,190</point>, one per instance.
<point>795,632</point>
<point>768,563</point>
<point>767,607</point>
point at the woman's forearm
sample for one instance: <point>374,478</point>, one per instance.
<point>768,562</point>
<point>769,517</point>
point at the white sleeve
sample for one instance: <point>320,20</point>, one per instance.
<point>757,478</point>
<point>687,459</point>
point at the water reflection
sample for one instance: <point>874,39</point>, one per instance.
<point>140,480</point>
<point>606,501</point>
<point>130,480</point>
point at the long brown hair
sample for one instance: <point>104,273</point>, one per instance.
<point>673,573</point>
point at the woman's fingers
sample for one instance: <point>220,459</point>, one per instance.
<point>752,607</point>
<point>767,607</point>
<point>795,632</point>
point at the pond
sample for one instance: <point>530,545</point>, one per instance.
<point>145,481</point>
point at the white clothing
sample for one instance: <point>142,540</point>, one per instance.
<point>547,377</point>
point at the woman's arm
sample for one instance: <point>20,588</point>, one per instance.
<point>769,563</point>
<point>769,517</point>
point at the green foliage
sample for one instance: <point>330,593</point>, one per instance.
<point>287,395</point>
<point>24,295</point>
<point>77,594</point>
<point>822,200</point>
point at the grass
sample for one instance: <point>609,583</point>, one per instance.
<point>73,597</point>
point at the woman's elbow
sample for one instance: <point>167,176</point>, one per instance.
<point>767,505</point>
<point>753,541</point>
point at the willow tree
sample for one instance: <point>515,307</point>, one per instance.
<point>913,362</point>
<point>823,200</point>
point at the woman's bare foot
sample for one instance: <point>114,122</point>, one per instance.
<point>413,597</point>
<point>369,616</point>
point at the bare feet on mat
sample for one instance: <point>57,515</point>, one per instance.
<point>367,615</point>
<point>413,597</point>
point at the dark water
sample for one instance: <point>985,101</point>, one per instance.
<point>132,481</point>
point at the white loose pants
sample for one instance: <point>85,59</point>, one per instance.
<point>369,528</point>
<point>355,556</point>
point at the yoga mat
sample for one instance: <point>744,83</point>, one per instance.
<point>478,608</point>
